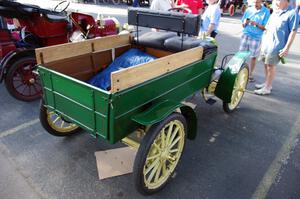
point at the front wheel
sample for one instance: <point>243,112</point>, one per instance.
<point>239,88</point>
<point>21,82</point>
<point>55,124</point>
<point>231,10</point>
<point>116,2</point>
<point>159,154</point>
<point>243,9</point>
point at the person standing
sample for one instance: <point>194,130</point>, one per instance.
<point>162,5</point>
<point>253,21</point>
<point>196,6</point>
<point>210,19</point>
<point>135,3</point>
<point>298,7</point>
<point>292,4</point>
<point>280,33</point>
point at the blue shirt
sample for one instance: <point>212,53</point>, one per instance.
<point>211,15</point>
<point>260,16</point>
<point>279,27</point>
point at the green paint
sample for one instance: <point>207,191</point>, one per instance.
<point>226,81</point>
<point>114,116</point>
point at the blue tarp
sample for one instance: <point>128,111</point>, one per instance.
<point>131,57</point>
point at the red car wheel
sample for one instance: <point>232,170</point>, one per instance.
<point>21,82</point>
<point>231,10</point>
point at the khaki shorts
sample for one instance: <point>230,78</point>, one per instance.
<point>269,59</point>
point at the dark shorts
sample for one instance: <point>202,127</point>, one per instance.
<point>213,34</point>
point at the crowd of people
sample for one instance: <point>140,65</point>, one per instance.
<point>268,37</point>
<point>277,33</point>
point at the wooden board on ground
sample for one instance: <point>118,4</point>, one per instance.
<point>115,162</point>
<point>132,76</point>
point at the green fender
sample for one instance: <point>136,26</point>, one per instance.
<point>161,110</point>
<point>226,81</point>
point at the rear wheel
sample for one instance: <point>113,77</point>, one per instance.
<point>55,124</point>
<point>239,88</point>
<point>243,9</point>
<point>159,154</point>
<point>21,82</point>
<point>116,2</point>
<point>231,10</point>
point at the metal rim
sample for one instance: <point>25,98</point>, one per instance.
<point>57,123</point>
<point>239,88</point>
<point>164,154</point>
<point>25,82</point>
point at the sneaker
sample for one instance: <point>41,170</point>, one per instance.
<point>259,86</point>
<point>262,91</point>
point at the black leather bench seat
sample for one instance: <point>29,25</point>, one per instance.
<point>56,18</point>
<point>175,44</point>
<point>171,42</point>
<point>154,39</point>
<point>174,24</point>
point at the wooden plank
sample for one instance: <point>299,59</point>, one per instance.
<point>157,53</point>
<point>112,42</point>
<point>63,51</point>
<point>132,76</point>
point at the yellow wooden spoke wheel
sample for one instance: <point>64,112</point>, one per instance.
<point>159,154</point>
<point>55,124</point>
<point>239,88</point>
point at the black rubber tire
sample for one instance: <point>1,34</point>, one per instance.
<point>226,106</point>
<point>9,80</point>
<point>48,128</point>
<point>144,148</point>
<point>116,2</point>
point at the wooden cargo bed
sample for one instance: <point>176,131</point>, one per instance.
<point>85,59</point>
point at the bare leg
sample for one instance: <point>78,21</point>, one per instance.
<point>270,76</point>
<point>266,73</point>
<point>252,65</point>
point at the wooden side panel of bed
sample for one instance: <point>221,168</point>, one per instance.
<point>63,51</point>
<point>84,59</point>
<point>132,76</point>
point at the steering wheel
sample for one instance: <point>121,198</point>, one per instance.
<point>61,3</point>
<point>181,9</point>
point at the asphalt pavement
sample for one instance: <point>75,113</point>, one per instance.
<point>252,153</point>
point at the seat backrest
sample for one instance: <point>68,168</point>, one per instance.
<point>165,20</point>
<point>5,35</point>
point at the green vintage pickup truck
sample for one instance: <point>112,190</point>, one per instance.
<point>145,106</point>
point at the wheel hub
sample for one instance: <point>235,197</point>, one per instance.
<point>164,155</point>
<point>31,80</point>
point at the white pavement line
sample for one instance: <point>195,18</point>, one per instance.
<point>17,128</point>
<point>281,158</point>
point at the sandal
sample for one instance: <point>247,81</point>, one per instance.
<point>251,79</point>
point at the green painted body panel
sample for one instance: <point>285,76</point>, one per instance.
<point>226,81</point>
<point>191,120</point>
<point>175,86</point>
<point>156,113</point>
<point>111,116</point>
<point>83,104</point>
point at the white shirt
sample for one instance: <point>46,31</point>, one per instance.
<point>163,5</point>
<point>211,15</point>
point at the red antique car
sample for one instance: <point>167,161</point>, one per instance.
<point>40,28</point>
